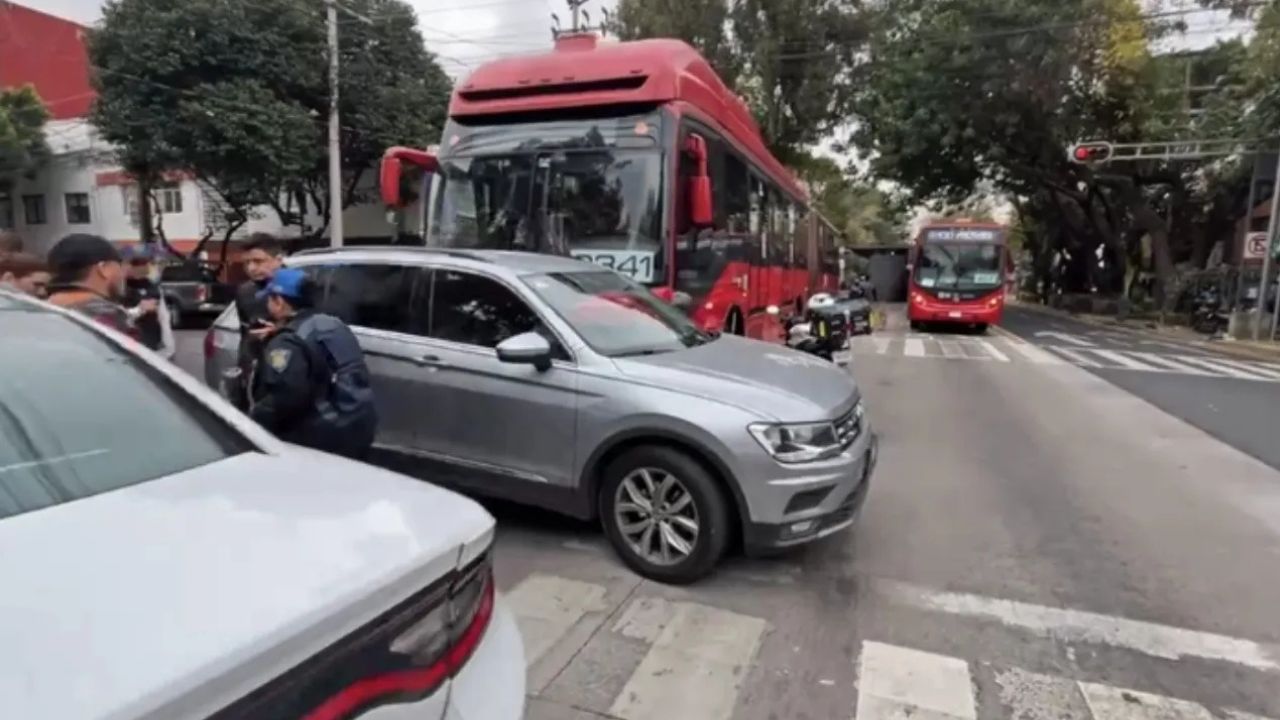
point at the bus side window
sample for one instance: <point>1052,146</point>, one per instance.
<point>737,193</point>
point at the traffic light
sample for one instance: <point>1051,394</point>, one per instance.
<point>1090,153</point>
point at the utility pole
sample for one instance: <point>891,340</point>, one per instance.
<point>335,133</point>
<point>1266,258</point>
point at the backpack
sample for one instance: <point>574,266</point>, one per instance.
<point>348,400</point>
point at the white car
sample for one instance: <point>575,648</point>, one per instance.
<point>164,557</point>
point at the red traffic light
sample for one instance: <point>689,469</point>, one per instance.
<point>1090,152</point>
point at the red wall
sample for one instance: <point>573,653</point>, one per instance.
<point>49,53</point>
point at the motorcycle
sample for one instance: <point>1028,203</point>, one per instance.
<point>821,331</point>
<point>1208,314</point>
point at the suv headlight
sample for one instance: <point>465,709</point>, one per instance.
<point>797,442</point>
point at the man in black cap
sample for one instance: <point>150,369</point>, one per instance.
<point>311,386</point>
<point>88,277</point>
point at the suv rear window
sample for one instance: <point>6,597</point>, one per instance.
<point>79,416</point>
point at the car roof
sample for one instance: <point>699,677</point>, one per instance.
<point>520,263</point>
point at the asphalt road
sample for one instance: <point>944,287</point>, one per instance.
<point>1241,410</point>
<point>1039,544</point>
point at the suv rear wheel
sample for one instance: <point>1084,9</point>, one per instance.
<point>664,514</point>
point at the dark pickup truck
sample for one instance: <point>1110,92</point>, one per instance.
<point>193,290</point>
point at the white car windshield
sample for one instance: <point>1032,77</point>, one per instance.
<point>79,416</point>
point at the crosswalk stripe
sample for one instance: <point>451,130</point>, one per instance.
<point>1032,696</point>
<point>1034,353</point>
<point>1125,361</point>
<point>1112,703</point>
<point>913,347</point>
<point>1076,357</point>
<point>881,345</point>
<point>1223,367</point>
<point>1171,363</point>
<point>951,349</point>
<point>896,682</point>
<point>693,668</point>
<point>1251,367</point>
<point>993,351</point>
<point>547,608</point>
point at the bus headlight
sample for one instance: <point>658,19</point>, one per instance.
<point>798,442</point>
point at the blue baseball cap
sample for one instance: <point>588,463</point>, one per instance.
<point>288,283</point>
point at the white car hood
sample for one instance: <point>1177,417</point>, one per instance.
<point>154,600</point>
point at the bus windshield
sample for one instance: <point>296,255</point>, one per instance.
<point>569,187</point>
<point>959,266</point>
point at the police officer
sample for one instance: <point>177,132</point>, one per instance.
<point>262,256</point>
<point>311,386</point>
<point>145,302</point>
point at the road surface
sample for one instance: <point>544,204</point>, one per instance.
<point>1040,544</point>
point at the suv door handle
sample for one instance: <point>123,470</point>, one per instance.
<point>432,361</point>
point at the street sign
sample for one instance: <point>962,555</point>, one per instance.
<point>1255,246</point>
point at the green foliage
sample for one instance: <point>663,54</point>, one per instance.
<point>22,142</point>
<point>793,61</point>
<point>863,213</point>
<point>236,91</point>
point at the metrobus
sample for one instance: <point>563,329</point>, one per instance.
<point>957,274</point>
<point>634,155</point>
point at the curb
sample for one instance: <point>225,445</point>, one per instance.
<point>1227,347</point>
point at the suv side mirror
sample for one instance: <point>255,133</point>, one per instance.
<point>392,169</point>
<point>526,349</point>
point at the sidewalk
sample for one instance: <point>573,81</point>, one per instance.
<point>1248,349</point>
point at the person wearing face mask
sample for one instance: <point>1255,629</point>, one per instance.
<point>88,277</point>
<point>144,300</point>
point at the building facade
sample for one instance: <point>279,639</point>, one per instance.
<point>82,189</point>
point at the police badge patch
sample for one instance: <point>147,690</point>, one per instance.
<point>278,359</point>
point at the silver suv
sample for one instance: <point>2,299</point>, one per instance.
<point>560,384</point>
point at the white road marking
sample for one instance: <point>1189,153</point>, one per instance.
<point>1162,641</point>
<point>881,345</point>
<point>913,347</point>
<point>547,608</point>
<point>1067,338</point>
<point>1034,353</point>
<point>1110,703</point>
<point>1125,361</point>
<point>992,351</point>
<point>1224,367</point>
<point>1262,369</point>
<point>951,349</point>
<point>1076,357</point>
<point>1032,696</point>
<point>694,668</point>
<point>1172,363</point>
<point>896,682</point>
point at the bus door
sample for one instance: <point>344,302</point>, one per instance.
<point>758,283</point>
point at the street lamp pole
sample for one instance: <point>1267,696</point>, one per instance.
<point>335,136</point>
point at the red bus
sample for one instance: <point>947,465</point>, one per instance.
<point>634,155</point>
<point>957,275</point>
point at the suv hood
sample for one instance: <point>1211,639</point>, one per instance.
<point>177,596</point>
<point>767,379</point>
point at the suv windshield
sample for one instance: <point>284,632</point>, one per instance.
<point>79,416</point>
<point>959,266</point>
<point>591,188</point>
<point>615,316</point>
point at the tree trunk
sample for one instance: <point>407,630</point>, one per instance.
<point>145,220</point>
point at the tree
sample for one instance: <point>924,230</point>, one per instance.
<point>962,94</point>
<point>793,61</point>
<point>236,92</point>
<point>22,142</point>
<point>863,213</point>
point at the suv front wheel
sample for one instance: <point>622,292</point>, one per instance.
<point>664,514</point>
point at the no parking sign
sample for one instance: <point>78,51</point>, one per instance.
<point>1255,246</point>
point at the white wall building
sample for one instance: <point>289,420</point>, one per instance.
<point>83,190</point>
